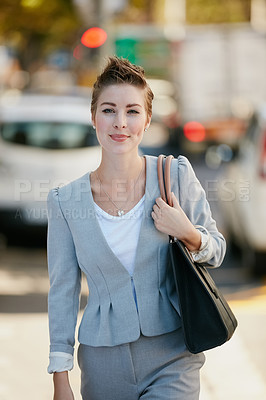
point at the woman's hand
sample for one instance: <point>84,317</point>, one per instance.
<point>62,389</point>
<point>174,222</point>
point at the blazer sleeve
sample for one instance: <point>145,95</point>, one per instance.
<point>65,278</point>
<point>192,199</point>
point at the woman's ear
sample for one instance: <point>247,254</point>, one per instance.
<point>93,122</point>
<point>148,122</point>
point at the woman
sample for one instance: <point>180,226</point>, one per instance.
<point>112,225</point>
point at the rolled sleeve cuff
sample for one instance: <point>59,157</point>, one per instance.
<point>205,251</point>
<point>60,362</point>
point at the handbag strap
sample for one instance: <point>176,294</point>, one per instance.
<point>164,177</point>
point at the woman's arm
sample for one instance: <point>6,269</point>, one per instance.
<point>185,219</point>
<point>63,298</point>
<point>62,389</point>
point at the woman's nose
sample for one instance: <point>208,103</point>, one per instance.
<point>120,121</point>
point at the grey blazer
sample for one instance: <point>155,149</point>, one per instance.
<point>76,243</point>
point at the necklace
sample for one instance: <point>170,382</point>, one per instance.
<point>120,211</point>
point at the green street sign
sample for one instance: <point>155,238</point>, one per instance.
<point>152,55</point>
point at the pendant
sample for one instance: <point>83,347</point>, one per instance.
<point>120,213</point>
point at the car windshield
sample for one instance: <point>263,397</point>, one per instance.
<point>50,135</point>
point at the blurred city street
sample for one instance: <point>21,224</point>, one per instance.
<point>205,62</point>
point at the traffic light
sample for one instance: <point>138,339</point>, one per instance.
<point>94,37</point>
<point>194,131</point>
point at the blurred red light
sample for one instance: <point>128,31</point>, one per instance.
<point>77,52</point>
<point>194,131</point>
<point>94,37</point>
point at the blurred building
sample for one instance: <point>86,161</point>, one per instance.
<point>220,70</point>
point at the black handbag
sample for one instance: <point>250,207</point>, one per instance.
<point>207,320</point>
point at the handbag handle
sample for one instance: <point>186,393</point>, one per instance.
<point>164,178</point>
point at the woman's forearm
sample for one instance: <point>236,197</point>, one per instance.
<point>193,240</point>
<point>62,389</point>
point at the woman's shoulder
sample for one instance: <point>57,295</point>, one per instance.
<point>180,159</point>
<point>71,189</point>
<point>183,167</point>
<point>180,162</point>
<point>180,167</point>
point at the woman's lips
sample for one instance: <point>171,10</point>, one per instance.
<point>119,138</point>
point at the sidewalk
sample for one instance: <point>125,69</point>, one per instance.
<point>236,370</point>
<point>231,374</point>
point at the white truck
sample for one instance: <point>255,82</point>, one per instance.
<point>220,72</point>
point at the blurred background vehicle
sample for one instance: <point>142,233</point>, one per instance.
<point>242,192</point>
<point>45,141</point>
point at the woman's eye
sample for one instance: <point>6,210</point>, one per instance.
<point>133,112</point>
<point>107,110</point>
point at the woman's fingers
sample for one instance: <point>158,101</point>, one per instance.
<point>175,201</point>
<point>154,216</point>
<point>174,222</point>
<point>160,202</point>
<point>162,215</point>
<point>158,208</point>
<point>170,220</point>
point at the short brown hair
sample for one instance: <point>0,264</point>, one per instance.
<point>120,71</point>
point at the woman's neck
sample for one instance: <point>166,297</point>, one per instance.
<point>120,167</point>
<point>119,183</point>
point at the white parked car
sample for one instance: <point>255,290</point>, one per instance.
<point>242,192</point>
<point>45,141</point>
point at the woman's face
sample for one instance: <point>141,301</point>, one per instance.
<point>121,118</point>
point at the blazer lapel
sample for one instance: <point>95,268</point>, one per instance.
<point>89,227</point>
<point>100,243</point>
<point>152,191</point>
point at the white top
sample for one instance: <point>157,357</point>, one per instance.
<point>121,234</point>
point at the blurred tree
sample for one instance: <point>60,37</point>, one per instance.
<point>217,11</point>
<point>36,27</point>
<point>147,6</point>
<point>197,11</point>
<point>139,11</point>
